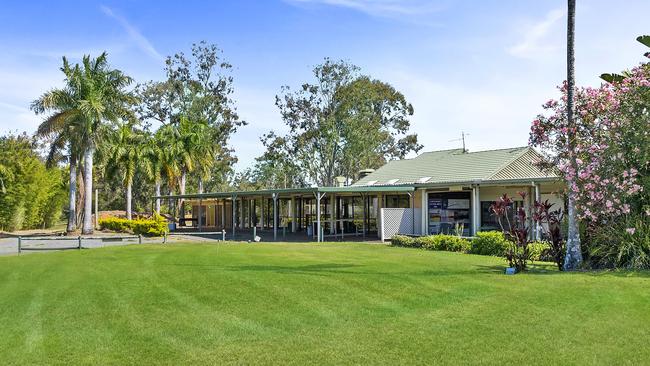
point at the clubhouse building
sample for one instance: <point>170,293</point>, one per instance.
<point>448,191</point>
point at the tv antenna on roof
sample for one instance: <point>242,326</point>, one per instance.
<point>462,138</point>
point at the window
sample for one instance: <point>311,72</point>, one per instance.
<point>398,201</point>
<point>448,212</point>
<point>489,221</point>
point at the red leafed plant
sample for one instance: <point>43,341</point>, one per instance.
<point>549,221</point>
<point>515,231</point>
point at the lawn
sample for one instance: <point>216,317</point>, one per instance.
<point>312,304</point>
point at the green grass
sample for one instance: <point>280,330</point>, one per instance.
<point>312,304</point>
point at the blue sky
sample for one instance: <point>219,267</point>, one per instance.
<point>483,67</point>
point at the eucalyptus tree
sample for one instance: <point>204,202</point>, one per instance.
<point>340,123</point>
<point>197,90</point>
<point>94,95</point>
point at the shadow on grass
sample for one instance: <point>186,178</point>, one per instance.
<point>550,269</point>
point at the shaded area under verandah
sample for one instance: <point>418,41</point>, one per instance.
<point>300,214</point>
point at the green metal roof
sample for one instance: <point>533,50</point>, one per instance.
<point>294,191</point>
<point>430,169</point>
<point>456,166</point>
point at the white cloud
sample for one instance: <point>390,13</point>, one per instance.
<point>382,8</point>
<point>535,42</point>
<point>140,40</point>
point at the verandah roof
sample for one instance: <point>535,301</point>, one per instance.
<point>361,189</point>
<point>294,191</point>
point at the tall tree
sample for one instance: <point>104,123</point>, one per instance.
<point>573,258</point>
<point>198,89</point>
<point>93,95</point>
<point>343,122</point>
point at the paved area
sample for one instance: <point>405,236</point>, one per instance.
<point>9,245</point>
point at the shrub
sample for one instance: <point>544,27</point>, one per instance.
<point>156,226</point>
<point>402,241</point>
<point>115,224</point>
<point>449,243</point>
<point>624,244</point>
<point>489,243</point>
<point>540,251</point>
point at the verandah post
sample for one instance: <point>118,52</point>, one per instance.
<point>234,215</point>
<point>275,216</point>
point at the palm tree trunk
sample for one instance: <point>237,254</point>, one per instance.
<point>573,257</point>
<point>81,193</point>
<point>181,189</point>
<point>88,191</point>
<point>72,203</point>
<point>129,213</point>
<point>158,194</point>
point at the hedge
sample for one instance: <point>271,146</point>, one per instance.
<point>156,226</point>
<point>485,243</point>
<point>489,243</point>
<point>450,243</point>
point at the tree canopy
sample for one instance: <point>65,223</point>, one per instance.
<point>338,124</point>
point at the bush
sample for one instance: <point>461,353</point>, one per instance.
<point>156,226</point>
<point>540,251</point>
<point>625,244</point>
<point>489,243</point>
<point>402,241</point>
<point>449,243</point>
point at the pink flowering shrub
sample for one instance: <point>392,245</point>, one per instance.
<point>611,179</point>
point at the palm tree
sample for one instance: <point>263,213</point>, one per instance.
<point>93,95</point>
<point>59,128</point>
<point>156,164</point>
<point>573,257</point>
<point>125,156</point>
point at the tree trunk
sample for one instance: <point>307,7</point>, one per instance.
<point>181,190</point>
<point>88,191</point>
<point>129,213</point>
<point>80,193</point>
<point>72,197</point>
<point>200,185</point>
<point>573,258</point>
<point>158,194</point>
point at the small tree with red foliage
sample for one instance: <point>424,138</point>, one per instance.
<point>549,222</point>
<point>515,231</point>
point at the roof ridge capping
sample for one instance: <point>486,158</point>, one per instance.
<point>516,148</point>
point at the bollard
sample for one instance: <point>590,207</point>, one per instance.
<point>139,238</point>
<point>254,232</point>
<point>223,235</point>
<point>164,237</point>
<point>19,244</point>
<point>79,238</point>
<point>284,231</point>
